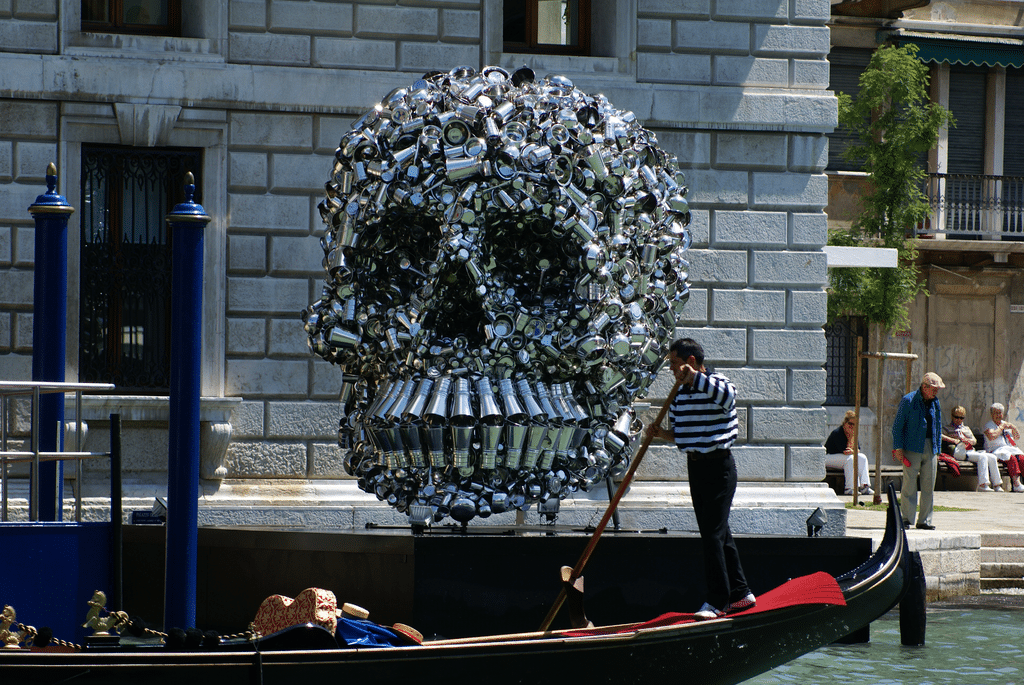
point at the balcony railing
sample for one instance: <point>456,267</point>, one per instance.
<point>969,207</point>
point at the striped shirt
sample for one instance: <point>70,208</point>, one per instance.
<point>704,414</point>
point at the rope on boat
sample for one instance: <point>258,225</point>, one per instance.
<point>32,633</point>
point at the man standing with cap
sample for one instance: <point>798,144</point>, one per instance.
<point>704,425</point>
<point>916,440</point>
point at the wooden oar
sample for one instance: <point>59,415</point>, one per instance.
<point>577,570</point>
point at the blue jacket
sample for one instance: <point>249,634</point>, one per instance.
<point>909,430</point>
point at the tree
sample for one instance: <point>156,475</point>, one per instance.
<point>895,125</point>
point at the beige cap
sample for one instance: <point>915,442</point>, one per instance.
<point>354,611</point>
<point>408,632</point>
<point>931,379</point>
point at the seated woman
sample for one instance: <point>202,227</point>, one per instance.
<point>958,440</point>
<point>839,453</point>
<point>1001,439</point>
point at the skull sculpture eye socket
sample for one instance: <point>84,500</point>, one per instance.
<point>505,264</point>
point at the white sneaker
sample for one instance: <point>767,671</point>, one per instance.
<point>708,612</point>
<point>848,491</point>
<point>1018,488</point>
<point>985,487</point>
<point>741,604</point>
<point>999,488</point>
<point>866,490</point>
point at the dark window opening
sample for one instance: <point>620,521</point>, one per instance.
<point>560,27</point>
<point>125,302</point>
<point>147,17</point>
<point>841,363</point>
<point>845,67</point>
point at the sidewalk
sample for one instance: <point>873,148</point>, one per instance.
<point>989,512</point>
<point>969,552</point>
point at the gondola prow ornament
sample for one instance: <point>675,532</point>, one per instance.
<point>505,268</point>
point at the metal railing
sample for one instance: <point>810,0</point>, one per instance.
<point>35,456</point>
<point>974,207</point>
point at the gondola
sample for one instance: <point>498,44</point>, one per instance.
<point>799,616</point>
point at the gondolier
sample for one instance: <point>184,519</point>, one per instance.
<point>705,425</point>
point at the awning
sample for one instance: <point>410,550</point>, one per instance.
<point>958,48</point>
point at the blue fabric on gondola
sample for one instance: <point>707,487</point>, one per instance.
<point>356,633</point>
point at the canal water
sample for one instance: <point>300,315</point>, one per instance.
<point>972,641</point>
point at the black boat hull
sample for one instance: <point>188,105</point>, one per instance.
<point>728,650</point>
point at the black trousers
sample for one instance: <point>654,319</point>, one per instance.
<point>712,486</point>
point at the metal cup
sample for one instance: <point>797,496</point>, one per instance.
<point>462,404</point>
<point>437,408</point>
<point>489,410</point>
<point>462,440</point>
<point>514,411</point>
<point>530,404</point>
<point>515,439</point>
<point>535,438</point>
<point>490,436</point>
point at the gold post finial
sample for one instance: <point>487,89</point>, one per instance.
<point>189,178</point>
<point>51,169</point>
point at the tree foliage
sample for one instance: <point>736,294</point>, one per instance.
<point>895,124</point>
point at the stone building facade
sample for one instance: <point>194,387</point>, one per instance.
<point>971,249</point>
<point>264,89</point>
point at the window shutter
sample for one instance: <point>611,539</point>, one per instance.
<point>845,67</point>
<point>1013,140</point>
<point>967,102</point>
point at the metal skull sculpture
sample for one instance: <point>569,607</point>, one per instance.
<point>505,265</point>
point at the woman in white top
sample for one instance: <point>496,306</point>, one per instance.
<point>1001,438</point>
<point>959,440</point>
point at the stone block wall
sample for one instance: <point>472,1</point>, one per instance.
<point>28,142</point>
<point>287,424</point>
<point>735,88</point>
<point>757,187</point>
<point>354,35</point>
<point>28,26</point>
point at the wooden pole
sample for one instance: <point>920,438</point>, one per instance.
<point>881,356</point>
<point>910,363</point>
<point>577,570</point>
<point>908,381</point>
<point>878,424</point>
<point>856,433</point>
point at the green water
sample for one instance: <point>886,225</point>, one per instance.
<point>978,642</point>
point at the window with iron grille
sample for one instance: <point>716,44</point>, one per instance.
<point>560,27</point>
<point>125,312</point>
<point>841,362</point>
<point>149,17</point>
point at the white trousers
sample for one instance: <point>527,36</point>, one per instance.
<point>845,462</point>
<point>988,464</point>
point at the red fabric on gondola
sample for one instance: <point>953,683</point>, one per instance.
<point>817,588</point>
<point>950,462</point>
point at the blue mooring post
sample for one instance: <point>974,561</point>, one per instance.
<point>49,327</point>
<point>186,222</point>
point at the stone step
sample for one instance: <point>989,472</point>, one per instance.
<point>1002,555</point>
<point>1002,539</point>
<point>1007,570</point>
<point>1001,583</point>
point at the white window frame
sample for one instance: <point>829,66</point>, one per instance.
<point>612,43</point>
